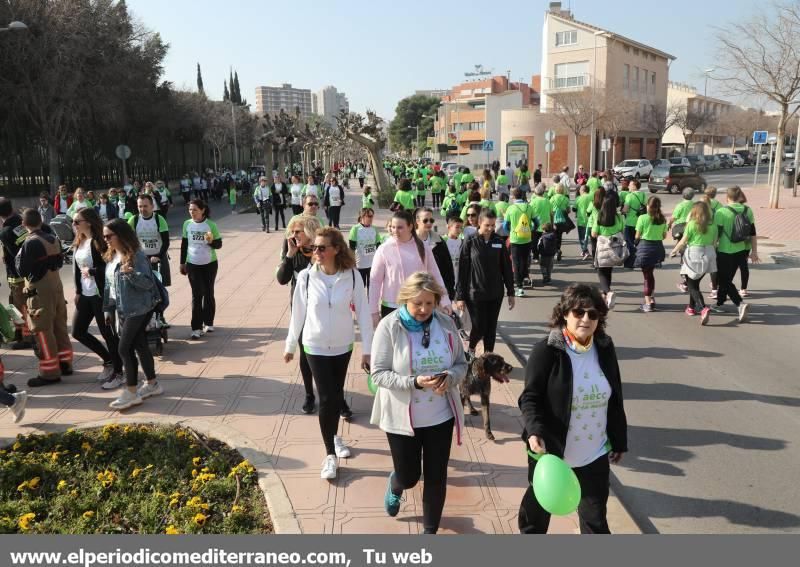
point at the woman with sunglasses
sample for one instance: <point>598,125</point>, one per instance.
<point>199,245</point>
<point>471,216</point>
<point>131,295</point>
<point>418,363</point>
<point>572,407</point>
<point>431,239</point>
<point>325,297</point>
<point>89,270</point>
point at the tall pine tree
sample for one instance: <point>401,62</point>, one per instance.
<point>225,94</point>
<point>236,86</point>
<point>200,88</point>
<point>231,88</point>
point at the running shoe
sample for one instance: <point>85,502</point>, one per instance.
<point>9,388</point>
<point>743,293</point>
<point>18,409</point>
<point>713,294</point>
<point>342,450</point>
<point>310,405</point>
<point>345,412</point>
<point>611,299</point>
<point>115,381</point>
<point>683,288</point>
<point>208,328</point>
<point>391,501</point>
<point>148,390</point>
<point>743,309</point>
<point>195,336</point>
<point>329,467</point>
<point>704,315</point>
<point>690,312</point>
<point>108,372</point>
<point>714,308</point>
<point>646,308</point>
<point>126,400</point>
<point>519,292</point>
<point>558,256</point>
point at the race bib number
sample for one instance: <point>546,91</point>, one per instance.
<point>369,249</point>
<point>151,243</point>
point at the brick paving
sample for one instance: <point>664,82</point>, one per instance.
<point>782,224</point>
<point>236,378</point>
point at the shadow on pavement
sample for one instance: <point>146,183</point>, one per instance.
<point>636,353</point>
<point>686,393</point>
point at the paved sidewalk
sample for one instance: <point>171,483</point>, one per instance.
<point>236,380</point>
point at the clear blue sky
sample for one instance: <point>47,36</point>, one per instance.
<point>380,51</point>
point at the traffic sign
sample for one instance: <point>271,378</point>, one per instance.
<point>759,137</point>
<point>123,151</point>
<point>605,144</point>
<point>550,136</point>
<point>488,146</point>
<point>773,139</point>
<point>549,147</point>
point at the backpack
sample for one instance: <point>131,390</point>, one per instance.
<point>742,229</point>
<point>523,226</point>
<point>612,251</point>
<point>453,208</point>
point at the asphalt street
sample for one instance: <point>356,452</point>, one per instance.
<point>713,412</point>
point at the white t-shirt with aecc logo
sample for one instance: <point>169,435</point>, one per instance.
<point>335,196</point>
<point>428,408</point>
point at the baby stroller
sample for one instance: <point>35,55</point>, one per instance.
<point>460,318</point>
<point>157,329</point>
<point>62,227</point>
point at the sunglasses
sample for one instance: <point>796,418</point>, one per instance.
<point>319,248</point>
<point>313,204</point>
<point>579,312</point>
<point>77,221</point>
<point>300,231</point>
<point>428,221</point>
<point>108,236</point>
<point>471,215</point>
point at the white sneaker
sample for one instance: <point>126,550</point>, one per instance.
<point>18,409</point>
<point>209,328</point>
<point>126,399</point>
<point>743,309</point>
<point>114,382</point>
<point>108,372</point>
<point>196,335</point>
<point>329,467</point>
<point>611,299</point>
<point>148,389</point>
<point>342,450</point>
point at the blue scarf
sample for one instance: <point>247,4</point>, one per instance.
<point>410,323</point>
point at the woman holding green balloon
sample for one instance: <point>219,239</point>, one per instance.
<point>573,410</point>
<point>418,363</point>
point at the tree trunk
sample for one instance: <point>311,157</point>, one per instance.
<point>268,162</point>
<point>775,188</point>
<point>53,167</point>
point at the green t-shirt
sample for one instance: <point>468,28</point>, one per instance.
<point>461,198</point>
<point>591,213</point>
<point>681,212</point>
<point>559,201</point>
<point>487,204</point>
<point>448,198</point>
<point>405,198</point>
<point>715,205</point>
<point>502,180</point>
<point>457,180</point>
<point>696,238</point>
<point>199,252</point>
<point>634,201</point>
<point>622,196</point>
<point>367,202</point>
<point>148,231</point>
<point>467,178</point>
<point>523,177</point>
<point>520,233</point>
<point>501,207</point>
<point>438,184</point>
<point>593,183</point>
<point>581,205</point>
<point>542,210</point>
<point>724,220</point>
<point>649,231</point>
<point>619,224</point>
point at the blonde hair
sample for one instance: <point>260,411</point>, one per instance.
<point>559,189</point>
<point>701,214</point>
<point>485,192</point>
<point>418,282</point>
<point>710,192</point>
<point>309,224</point>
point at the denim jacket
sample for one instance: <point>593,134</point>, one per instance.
<point>136,291</point>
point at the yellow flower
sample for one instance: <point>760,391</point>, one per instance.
<point>62,484</point>
<point>148,467</point>
<point>31,484</point>
<point>54,456</point>
<point>200,519</point>
<point>175,495</point>
<point>126,429</point>
<point>100,453</point>
<point>86,446</point>
<point>88,515</point>
<point>136,472</point>
<point>196,503</point>
<point>194,473</point>
<point>243,468</point>
<point>236,508</point>
<point>196,461</point>
<point>181,433</point>
<point>106,478</point>
<point>3,451</point>
<point>16,446</point>
<point>172,530</point>
<point>24,521</point>
<point>174,502</point>
<point>73,493</point>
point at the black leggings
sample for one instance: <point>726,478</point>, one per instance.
<point>432,443</point>
<point>593,478</point>
<point>204,306</point>
<point>727,264</point>
<point>365,276</point>
<point>521,261</point>
<point>604,275</point>
<point>696,300</point>
<point>279,211</point>
<point>437,200</point>
<point>89,308</point>
<point>297,209</point>
<point>305,369</point>
<point>264,210</point>
<point>484,316</point>
<point>333,214</point>
<point>133,342</point>
<point>744,268</point>
<point>329,373</point>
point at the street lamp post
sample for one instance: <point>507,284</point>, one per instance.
<point>417,135</point>
<point>594,87</point>
<point>235,146</point>
<point>15,26</point>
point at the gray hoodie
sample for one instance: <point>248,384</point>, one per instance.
<point>391,370</point>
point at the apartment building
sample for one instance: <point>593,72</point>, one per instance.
<point>706,113</point>
<point>329,102</point>
<point>270,100</point>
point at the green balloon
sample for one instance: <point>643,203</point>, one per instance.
<point>373,387</point>
<point>555,486</point>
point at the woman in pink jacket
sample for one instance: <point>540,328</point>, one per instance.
<point>395,260</point>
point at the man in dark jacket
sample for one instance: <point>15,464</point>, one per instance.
<point>12,235</point>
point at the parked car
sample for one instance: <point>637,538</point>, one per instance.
<point>713,163</point>
<point>725,161</point>
<point>737,160</point>
<point>633,169</point>
<point>675,179</point>
<point>680,160</point>
<point>449,167</point>
<point>788,153</point>
<point>746,156</point>
<point>657,162</point>
<point>697,162</point>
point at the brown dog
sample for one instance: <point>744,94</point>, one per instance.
<point>478,381</point>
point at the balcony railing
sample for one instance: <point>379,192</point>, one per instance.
<point>571,82</point>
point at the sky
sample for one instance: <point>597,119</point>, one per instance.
<point>378,52</point>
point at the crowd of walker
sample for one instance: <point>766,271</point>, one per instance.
<point>422,300</point>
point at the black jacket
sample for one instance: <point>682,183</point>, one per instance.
<point>12,235</point>
<point>445,264</point>
<point>279,198</point>
<point>326,199</point>
<point>98,272</point>
<point>290,267</point>
<point>484,268</point>
<point>546,400</point>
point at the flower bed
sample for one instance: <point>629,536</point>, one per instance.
<point>142,479</point>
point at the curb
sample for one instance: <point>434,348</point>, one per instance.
<point>620,520</point>
<point>281,512</point>
<point>786,258</point>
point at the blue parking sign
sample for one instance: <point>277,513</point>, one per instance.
<point>759,137</point>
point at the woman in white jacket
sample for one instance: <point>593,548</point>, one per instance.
<point>325,295</point>
<point>418,364</point>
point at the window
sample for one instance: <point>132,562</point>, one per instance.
<point>653,83</point>
<point>635,79</point>
<point>476,146</point>
<point>644,81</point>
<point>626,48</point>
<point>566,38</point>
<point>626,77</point>
<point>571,75</point>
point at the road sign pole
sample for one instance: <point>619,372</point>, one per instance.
<point>769,170</point>
<point>758,161</point>
<point>124,173</point>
